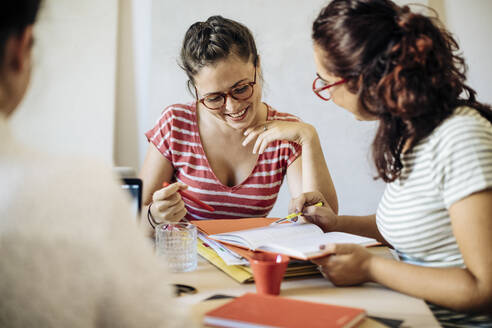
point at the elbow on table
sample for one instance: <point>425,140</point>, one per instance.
<point>478,301</point>
<point>484,303</point>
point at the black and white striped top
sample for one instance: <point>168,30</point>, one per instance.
<point>450,164</point>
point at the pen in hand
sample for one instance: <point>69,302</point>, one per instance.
<point>185,194</point>
<point>292,216</point>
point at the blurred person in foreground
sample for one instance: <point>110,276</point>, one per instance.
<point>70,252</point>
<point>433,148</point>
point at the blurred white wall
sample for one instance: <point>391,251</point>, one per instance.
<point>471,23</point>
<point>132,80</point>
<point>70,105</point>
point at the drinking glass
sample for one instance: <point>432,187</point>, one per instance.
<point>176,243</point>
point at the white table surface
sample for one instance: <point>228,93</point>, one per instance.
<point>374,298</point>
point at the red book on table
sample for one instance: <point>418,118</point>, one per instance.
<point>254,310</point>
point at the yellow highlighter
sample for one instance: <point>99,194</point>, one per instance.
<point>289,217</point>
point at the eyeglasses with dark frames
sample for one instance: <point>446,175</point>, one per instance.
<point>322,90</point>
<point>217,100</point>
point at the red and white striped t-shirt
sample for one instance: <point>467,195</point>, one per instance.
<point>176,136</point>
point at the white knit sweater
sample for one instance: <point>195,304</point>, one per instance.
<point>71,254</point>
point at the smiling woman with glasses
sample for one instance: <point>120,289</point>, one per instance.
<point>227,147</point>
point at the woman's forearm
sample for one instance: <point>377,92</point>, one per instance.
<point>315,173</point>
<point>454,288</point>
<point>144,222</point>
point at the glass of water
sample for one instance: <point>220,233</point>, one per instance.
<point>176,243</point>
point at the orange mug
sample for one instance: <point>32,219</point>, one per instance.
<point>268,271</point>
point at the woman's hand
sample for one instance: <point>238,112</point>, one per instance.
<point>298,132</point>
<point>349,264</point>
<point>322,216</point>
<point>167,205</point>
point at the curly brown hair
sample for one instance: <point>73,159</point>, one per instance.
<point>405,68</point>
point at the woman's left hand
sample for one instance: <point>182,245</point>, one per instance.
<point>348,264</point>
<point>298,132</point>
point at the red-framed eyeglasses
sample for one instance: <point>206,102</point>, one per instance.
<point>322,90</point>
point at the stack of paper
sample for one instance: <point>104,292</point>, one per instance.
<point>228,256</point>
<point>243,273</point>
<point>232,260</point>
<point>236,272</point>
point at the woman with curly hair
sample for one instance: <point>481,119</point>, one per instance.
<point>433,148</point>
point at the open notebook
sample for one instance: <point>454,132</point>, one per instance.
<point>297,240</point>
